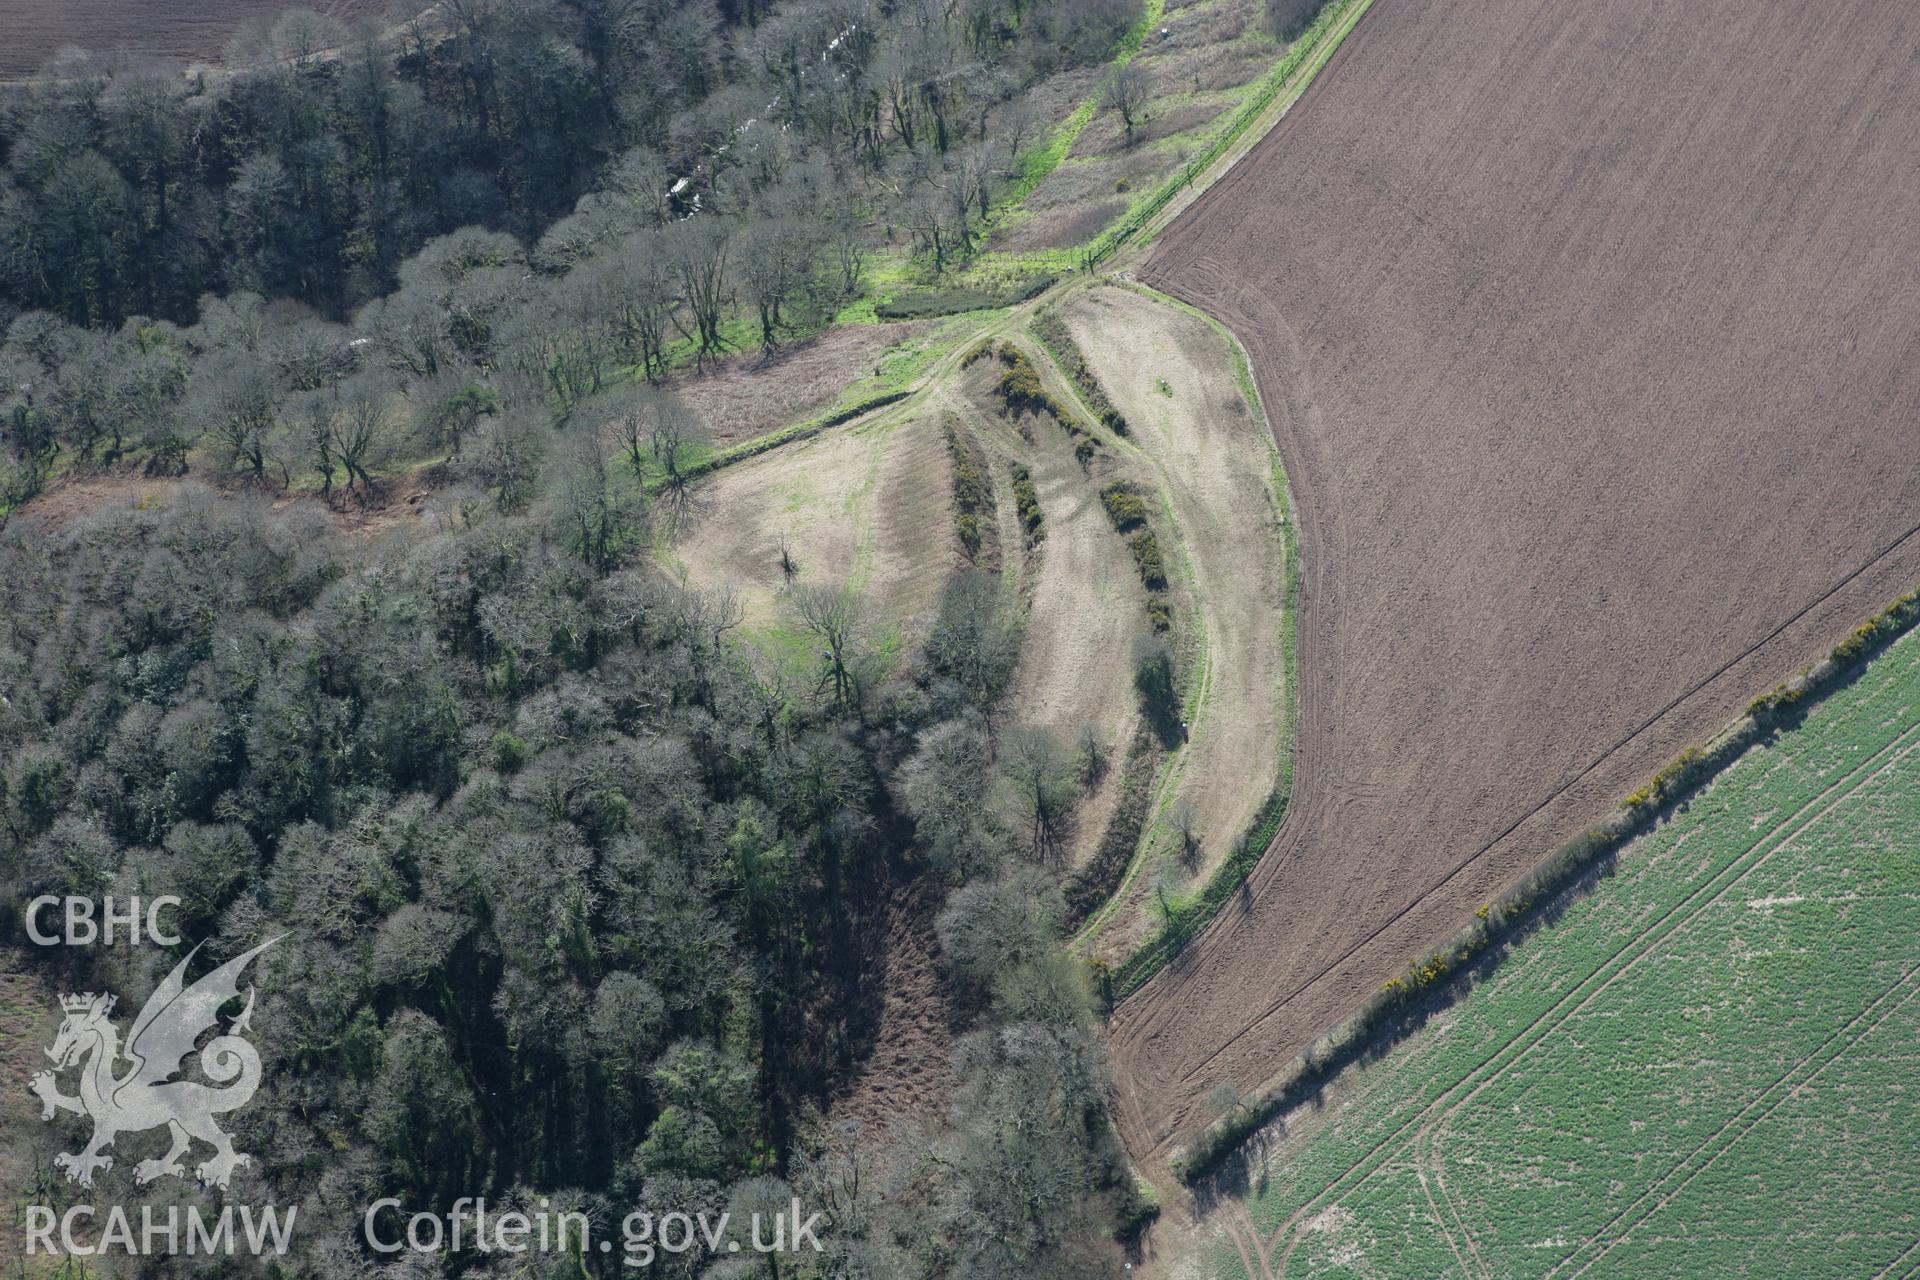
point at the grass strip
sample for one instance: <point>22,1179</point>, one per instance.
<point>1296,69</point>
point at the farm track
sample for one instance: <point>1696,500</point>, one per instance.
<point>1434,1118</point>
<point>1912,1255</point>
<point>1573,381</point>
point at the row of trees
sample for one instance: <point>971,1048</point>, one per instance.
<point>476,356</point>
<point>327,156</point>
<point>481,334</point>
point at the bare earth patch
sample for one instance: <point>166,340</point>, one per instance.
<point>402,502</point>
<point>907,1076</point>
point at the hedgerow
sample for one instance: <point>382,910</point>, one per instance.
<point>1028,501</point>
<point>1146,554</point>
<point>1053,335</point>
<point>972,492</point>
<point>1124,506</point>
<point>1020,391</point>
<point>1564,868</point>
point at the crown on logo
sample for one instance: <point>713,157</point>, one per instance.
<point>86,1001</point>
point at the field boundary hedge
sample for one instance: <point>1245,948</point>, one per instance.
<point>1375,1021</point>
<point>787,435</point>
<point>1314,46</point>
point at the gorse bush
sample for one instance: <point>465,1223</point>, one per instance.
<point>1027,501</point>
<point>1019,387</point>
<point>1020,391</point>
<point>1124,507</point>
<point>1146,555</point>
<point>1052,332</point>
<point>972,491</point>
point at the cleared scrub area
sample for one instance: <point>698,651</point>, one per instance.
<point>1207,465</point>
<point>865,505</point>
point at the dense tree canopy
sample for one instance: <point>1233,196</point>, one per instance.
<point>579,891</point>
<point>324,157</point>
<point>574,889</point>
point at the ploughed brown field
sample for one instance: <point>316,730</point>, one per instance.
<point>1591,339</point>
<point>177,31</point>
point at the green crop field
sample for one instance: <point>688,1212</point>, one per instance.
<point>1709,1065</point>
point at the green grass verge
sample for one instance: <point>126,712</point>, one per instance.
<point>1290,77</point>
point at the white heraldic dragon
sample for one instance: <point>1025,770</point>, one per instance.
<point>146,1095</point>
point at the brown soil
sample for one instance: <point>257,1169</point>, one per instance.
<point>752,393</point>
<point>402,502</point>
<point>1587,334</point>
<point>76,494</point>
<point>122,30</point>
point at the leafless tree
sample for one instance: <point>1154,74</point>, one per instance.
<point>700,249</point>
<point>836,616</point>
<point>602,510</point>
<point>776,263</point>
<point>1180,821</point>
<point>365,420</point>
<point>789,567</point>
<point>1125,93</point>
<point>1041,773</point>
<point>1090,748</point>
<point>1020,124</point>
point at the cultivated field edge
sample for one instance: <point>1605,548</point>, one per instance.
<point>1556,875</point>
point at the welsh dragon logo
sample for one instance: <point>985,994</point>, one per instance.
<point>146,1096</point>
